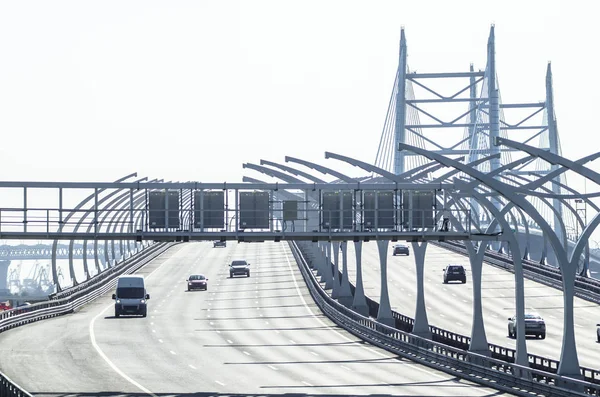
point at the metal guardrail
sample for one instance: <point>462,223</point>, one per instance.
<point>487,371</point>
<point>69,300</point>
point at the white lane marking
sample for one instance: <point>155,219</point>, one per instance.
<point>306,383</point>
<point>192,367</point>
<point>291,341</point>
<point>246,353</point>
<point>266,322</point>
<point>218,332</point>
<point>154,331</point>
<point>161,341</point>
<point>272,367</point>
<point>172,352</point>
<point>276,331</point>
<point>151,323</point>
<point>229,341</point>
<point>211,323</point>
<point>346,368</point>
<point>466,301</point>
<point>453,294</point>
<point>415,366</point>
<point>442,315</point>
<point>457,323</point>
<point>221,383</point>
<point>314,354</point>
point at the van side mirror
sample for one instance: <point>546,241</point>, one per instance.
<point>147,296</point>
<point>114,296</point>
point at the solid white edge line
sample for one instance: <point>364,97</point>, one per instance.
<point>107,360</point>
<point>389,355</point>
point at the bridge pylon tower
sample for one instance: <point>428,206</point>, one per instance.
<point>461,113</point>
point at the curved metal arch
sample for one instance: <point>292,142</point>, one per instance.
<point>365,166</point>
<point>64,221</point>
<point>293,171</point>
<point>273,173</point>
<point>121,196</point>
<point>551,158</point>
<point>563,186</point>
<point>321,169</point>
<point>422,170</point>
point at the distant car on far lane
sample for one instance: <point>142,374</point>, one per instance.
<point>400,249</point>
<point>219,243</point>
<point>534,325</point>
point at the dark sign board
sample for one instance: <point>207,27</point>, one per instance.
<point>209,209</point>
<point>157,209</point>
<point>422,208</point>
<point>254,210</point>
<point>385,209</point>
<point>290,210</point>
<point>332,207</point>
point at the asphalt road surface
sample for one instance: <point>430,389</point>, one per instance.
<point>261,335</point>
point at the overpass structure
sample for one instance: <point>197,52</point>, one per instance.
<point>483,189</point>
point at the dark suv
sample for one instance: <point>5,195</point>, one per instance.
<point>219,243</point>
<point>400,249</point>
<point>455,273</point>
<point>239,267</point>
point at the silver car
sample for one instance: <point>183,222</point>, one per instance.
<point>534,325</point>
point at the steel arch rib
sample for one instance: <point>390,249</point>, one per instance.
<point>321,169</point>
<point>273,173</point>
<point>552,158</point>
<point>293,171</point>
<point>66,219</point>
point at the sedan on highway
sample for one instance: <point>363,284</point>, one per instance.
<point>197,281</point>
<point>400,249</point>
<point>219,243</point>
<point>239,267</point>
<point>534,325</point>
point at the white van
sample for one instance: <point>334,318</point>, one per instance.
<point>131,296</point>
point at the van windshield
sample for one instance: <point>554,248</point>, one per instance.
<point>130,292</point>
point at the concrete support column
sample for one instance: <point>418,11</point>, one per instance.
<point>569,362</point>
<point>479,343</point>
<point>71,266</point>
<point>521,357</point>
<point>384,315</point>
<point>4,264</point>
<point>421,326</point>
<point>359,304</point>
<point>328,274</point>
<point>335,292</point>
<point>345,295</point>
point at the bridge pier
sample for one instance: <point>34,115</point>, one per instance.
<point>335,292</point>
<point>479,343</point>
<point>328,272</point>
<point>384,315</point>
<point>359,304</point>
<point>4,275</point>
<point>345,295</point>
<point>321,262</point>
<point>421,326</point>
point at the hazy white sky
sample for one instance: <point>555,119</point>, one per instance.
<point>191,90</point>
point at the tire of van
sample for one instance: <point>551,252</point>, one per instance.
<point>144,313</point>
<point>248,274</point>
<point>117,314</point>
